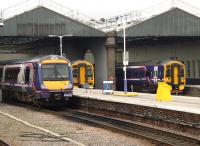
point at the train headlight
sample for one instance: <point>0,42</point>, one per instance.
<point>44,86</point>
<point>68,87</point>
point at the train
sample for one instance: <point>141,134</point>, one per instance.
<point>83,74</point>
<point>144,76</point>
<point>45,80</point>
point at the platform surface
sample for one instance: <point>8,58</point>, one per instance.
<point>179,103</point>
<point>193,86</point>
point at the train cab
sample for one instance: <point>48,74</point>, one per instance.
<point>83,73</point>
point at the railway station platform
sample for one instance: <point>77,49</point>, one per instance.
<point>180,103</point>
<point>192,90</point>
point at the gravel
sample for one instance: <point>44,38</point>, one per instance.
<point>18,134</point>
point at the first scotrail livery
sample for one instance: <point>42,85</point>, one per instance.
<point>41,80</point>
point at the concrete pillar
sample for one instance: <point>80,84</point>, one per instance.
<point>0,95</point>
<point>110,45</point>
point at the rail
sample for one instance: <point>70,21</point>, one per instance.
<point>151,133</point>
<point>131,128</point>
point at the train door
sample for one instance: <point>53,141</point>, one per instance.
<point>29,75</point>
<point>155,75</point>
<point>82,74</point>
<point>175,75</point>
<point>75,76</point>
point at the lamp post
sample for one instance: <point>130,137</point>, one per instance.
<point>1,19</point>
<point>124,60</point>
<point>61,37</point>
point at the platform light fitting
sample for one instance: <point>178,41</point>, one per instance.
<point>1,24</point>
<point>60,37</point>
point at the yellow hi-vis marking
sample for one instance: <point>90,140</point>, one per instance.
<point>163,92</point>
<point>82,75</point>
<point>175,75</point>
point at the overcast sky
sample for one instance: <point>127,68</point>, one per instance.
<point>108,8</point>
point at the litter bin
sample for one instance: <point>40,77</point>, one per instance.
<point>107,87</point>
<point>163,92</point>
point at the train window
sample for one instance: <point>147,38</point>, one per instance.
<point>89,72</point>
<point>135,73</point>
<point>188,68</point>
<point>160,74</point>
<point>181,72</point>
<point>27,75</point>
<point>119,73</point>
<point>155,73</point>
<point>1,73</point>
<point>148,73</point>
<point>194,68</point>
<point>199,67</point>
<point>61,71</point>
<point>141,73</point>
<point>132,74</point>
<point>75,72</point>
<point>51,72</point>
<point>11,74</point>
<point>168,71</point>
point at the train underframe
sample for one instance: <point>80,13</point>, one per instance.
<point>38,98</point>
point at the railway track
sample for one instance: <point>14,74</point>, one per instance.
<point>124,126</point>
<point>157,136</point>
<point>3,143</point>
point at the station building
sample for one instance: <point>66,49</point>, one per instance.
<point>172,34</point>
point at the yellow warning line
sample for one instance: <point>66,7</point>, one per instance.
<point>42,129</point>
<point>126,94</point>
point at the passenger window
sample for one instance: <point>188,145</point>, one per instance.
<point>1,73</point>
<point>199,67</point>
<point>89,72</point>
<point>194,68</point>
<point>74,72</point>
<point>168,71</point>
<point>181,72</point>
<point>11,74</point>
<point>188,68</point>
<point>27,75</point>
<point>155,73</point>
<point>148,73</point>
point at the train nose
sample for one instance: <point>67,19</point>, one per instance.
<point>175,87</point>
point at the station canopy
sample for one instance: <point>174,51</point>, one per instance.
<point>42,21</point>
<point>172,23</point>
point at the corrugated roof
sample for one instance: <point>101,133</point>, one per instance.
<point>175,22</point>
<point>42,21</point>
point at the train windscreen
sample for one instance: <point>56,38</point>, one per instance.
<point>55,72</point>
<point>89,72</point>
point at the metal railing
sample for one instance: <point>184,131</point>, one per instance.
<point>32,4</point>
<point>104,24</point>
<point>135,17</point>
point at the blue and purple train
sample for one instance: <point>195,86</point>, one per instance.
<point>145,76</point>
<point>43,80</point>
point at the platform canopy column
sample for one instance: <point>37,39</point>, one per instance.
<point>111,44</point>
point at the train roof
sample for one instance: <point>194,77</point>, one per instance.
<point>35,59</point>
<point>81,61</point>
<point>153,62</point>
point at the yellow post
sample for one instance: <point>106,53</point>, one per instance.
<point>163,92</point>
